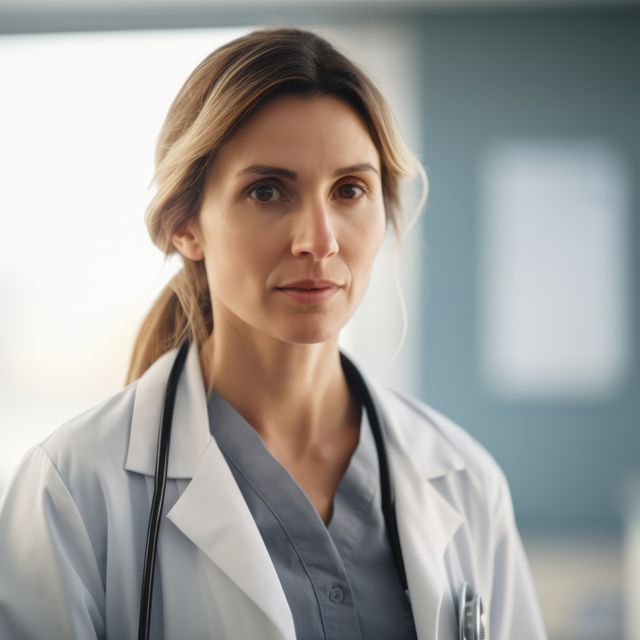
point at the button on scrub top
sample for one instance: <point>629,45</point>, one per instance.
<point>340,580</point>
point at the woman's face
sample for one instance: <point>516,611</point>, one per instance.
<point>295,194</point>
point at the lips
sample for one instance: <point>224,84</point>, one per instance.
<point>310,285</point>
<point>310,291</point>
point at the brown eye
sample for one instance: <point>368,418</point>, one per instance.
<point>350,191</point>
<point>265,192</point>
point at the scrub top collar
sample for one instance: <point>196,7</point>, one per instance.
<point>242,444</point>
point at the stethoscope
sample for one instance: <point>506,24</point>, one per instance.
<point>470,612</point>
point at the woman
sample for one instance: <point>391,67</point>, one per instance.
<point>278,175</point>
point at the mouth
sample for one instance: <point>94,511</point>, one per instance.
<point>309,294</point>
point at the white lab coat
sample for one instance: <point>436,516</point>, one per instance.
<point>73,525</point>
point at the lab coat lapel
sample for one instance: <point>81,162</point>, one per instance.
<point>213,514</point>
<point>211,511</point>
<point>427,522</point>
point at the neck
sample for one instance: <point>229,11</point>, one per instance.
<point>294,395</point>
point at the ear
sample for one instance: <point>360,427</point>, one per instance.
<point>187,243</point>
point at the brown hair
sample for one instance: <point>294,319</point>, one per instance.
<point>223,90</point>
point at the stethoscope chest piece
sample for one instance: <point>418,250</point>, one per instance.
<point>471,616</point>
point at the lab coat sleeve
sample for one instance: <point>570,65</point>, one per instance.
<point>514,611</point>
<point>50,582</point>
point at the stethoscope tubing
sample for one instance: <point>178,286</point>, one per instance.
<point>387,489</point>
<point>160,483</point>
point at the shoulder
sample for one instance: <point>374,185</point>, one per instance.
<point>95,440</point>
<point>74,473</point>
<point>93,446</point>
<point>418,421</point>
<point>442,448</point>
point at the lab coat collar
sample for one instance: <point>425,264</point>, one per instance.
<point>190,432</point>
<point>417,457</point>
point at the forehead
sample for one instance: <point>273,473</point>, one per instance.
<point>308,135</point>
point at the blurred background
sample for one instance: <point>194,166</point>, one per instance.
<point>520,278</point>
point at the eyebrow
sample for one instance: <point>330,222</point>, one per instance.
<point>292,175</point>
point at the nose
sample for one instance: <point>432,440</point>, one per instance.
<point>314,234</point>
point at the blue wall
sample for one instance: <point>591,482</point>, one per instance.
<point>525,73</point>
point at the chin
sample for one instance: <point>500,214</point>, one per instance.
<point>309,333</point>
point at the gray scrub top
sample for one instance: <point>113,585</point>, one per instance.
<point>340,580</point>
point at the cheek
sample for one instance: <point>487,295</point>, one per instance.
<point>367,238</point>
<point>240,257</point>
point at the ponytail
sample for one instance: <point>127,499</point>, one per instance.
<point>182,309</point>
